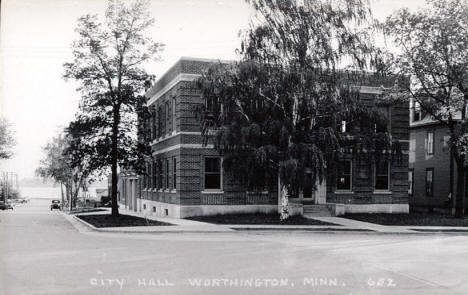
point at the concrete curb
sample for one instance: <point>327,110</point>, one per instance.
<point>148,229</point>
<point>216,228</point>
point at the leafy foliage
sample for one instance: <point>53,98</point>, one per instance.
<point>7,140</point>
<point>57,165</point>
<point>433,53</point>
<point>280,108</point>
<point>108,64</point>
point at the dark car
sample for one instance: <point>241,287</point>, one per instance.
<point>55,204</point>
<point>4,206</point>
<point>109,205</point>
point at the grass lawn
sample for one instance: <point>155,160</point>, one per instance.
<point>107,220</point>
<point>258,218</point>
<point>412,219</point>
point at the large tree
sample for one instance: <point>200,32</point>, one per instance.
<point>288,109</point>
<point>433,53</point>
<point>7,140</point>
<point>108,64</point>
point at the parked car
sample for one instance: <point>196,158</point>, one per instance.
<point>4,206</point>
<point>55,204</point>
<point>109,205</point>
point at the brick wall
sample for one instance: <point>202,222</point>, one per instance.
<point>362,191</point>
<point>180,138</point>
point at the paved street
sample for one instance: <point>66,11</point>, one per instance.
<point>42,253</point>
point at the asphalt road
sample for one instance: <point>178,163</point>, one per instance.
<point>42,253</point>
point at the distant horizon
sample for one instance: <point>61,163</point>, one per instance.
<point>38,182</point>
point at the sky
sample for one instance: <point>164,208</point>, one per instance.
<point>35,41</point>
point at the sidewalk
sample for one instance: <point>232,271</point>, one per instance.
<point>390,228</point>
<point>185,225</point>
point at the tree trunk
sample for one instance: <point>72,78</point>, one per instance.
<point>77,189</point>
<point>69,195</point>
<point>61,191</point>
<point>114,159</point>
<point>283,201</point>
<point>460,187</point>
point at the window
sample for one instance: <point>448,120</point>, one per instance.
<point>167,120</point>
<point>154,209</point>
<point>144,206</point>
<point>383,125</point>
<point>174,173</point>
<point>212,174</point>
<point>416,109</point>
<point>147,176</point>
<point>160,182</point>
<point>382,176</point>
<point>160,122</point>
<point>429,182</point>
<point>380,128</point>
<point>173,114</point>
<point>430,142</point>
<point>410,182</point>
<point>343,126</point>
<point>167,174</point>
<point>211,103</point>
<point>150,176</point>
<point>153,124</point>
<point>344,176</point>
<point>154,174</point>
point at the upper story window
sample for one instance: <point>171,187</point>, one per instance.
<point>154,175</point>
<point>160,122</point>
<point>211,103</point>
<point>167,115</point>
<point>173,114</point>
<point>174,173</point>
<point>343,126</point>
<point>383,127</point>
<point>417,112</point>
<point>382,176</point>
<point>344,176</point>
<point>145,176</point>
<point>153,123</point>
<point>212,173</point>
<point>430,142</point>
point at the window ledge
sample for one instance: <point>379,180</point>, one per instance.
<point>212,192</point>
<point>258,193</point>
<point>377,192</point>
<point>344,192</point>
<point>173,191</point>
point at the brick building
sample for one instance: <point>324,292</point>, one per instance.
<point>185,178</point>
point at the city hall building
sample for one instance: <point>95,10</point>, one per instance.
<point>185,177</point>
